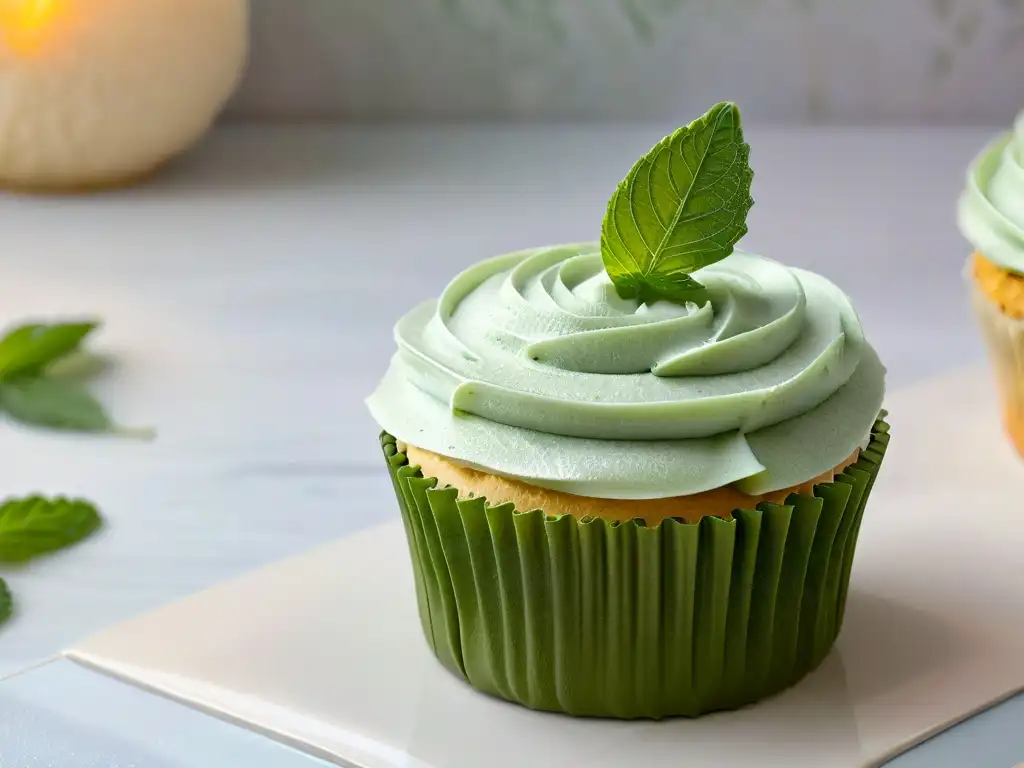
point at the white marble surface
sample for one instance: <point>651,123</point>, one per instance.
<point>249,295</point>
<point>63,716</point>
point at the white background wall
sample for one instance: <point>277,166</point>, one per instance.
<point>959,61</point>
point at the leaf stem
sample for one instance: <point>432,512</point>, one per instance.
<point>148,434</point>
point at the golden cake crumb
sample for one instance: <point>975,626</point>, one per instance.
<point>498,490</point>
<point>1004,288</point>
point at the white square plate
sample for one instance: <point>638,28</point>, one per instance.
<point>325,652</point>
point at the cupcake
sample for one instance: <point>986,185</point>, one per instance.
<point>632,473</point>
<point>991,217</point>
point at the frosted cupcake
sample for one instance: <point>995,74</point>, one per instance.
<point>991,217</point>
<point>632,473</point>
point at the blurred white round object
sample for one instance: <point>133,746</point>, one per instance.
<point>100,92</point>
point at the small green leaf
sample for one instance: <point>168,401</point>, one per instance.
<point>6,604</point>
<point>28,349</point>
<point>683,206</point>
<point>58,403</point>
<point>53,403</point>
<point>36,526</point>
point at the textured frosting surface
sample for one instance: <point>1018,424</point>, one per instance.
<point>991,209</point>
<point>531,366</point>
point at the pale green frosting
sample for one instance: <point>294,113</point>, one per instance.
<point>531,366</point>
<point>991,210</point>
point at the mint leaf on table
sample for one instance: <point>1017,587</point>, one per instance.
<point>53,403</point>
<point>36,526</point>
<point>59,404</point>
<point>683,206</point>
<point>35,391</point>
<point>28,349</point>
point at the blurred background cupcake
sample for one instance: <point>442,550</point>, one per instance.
<point>991,217</point>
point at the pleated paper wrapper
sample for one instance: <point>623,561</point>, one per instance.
<point>597,618</point>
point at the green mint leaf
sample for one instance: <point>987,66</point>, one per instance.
<point>36,526</point>
<point>28,349</point>
<point>683,206</point>
<point>53,403</point>
<point>6,603</point>
<point>59,404</point>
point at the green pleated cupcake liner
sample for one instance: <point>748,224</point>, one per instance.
<point>598,618</point>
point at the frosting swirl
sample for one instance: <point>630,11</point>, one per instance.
<point>531,366</point>
<point>991,208</point>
